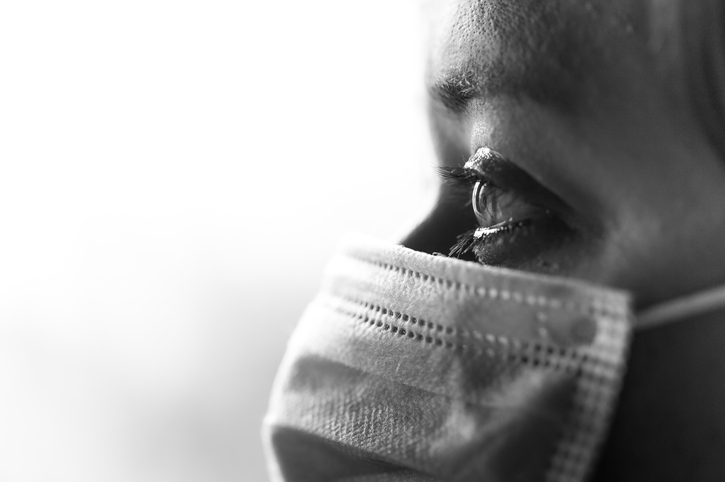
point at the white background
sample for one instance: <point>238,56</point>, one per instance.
<point>173,175</point>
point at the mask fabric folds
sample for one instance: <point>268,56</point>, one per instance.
<point>412,367</point>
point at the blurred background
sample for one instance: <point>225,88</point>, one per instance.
<point>173,176</point>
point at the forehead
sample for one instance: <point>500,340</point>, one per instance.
<point>557,51</point>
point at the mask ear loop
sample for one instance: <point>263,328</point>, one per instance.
<point>681,308</point>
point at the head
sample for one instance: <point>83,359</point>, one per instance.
<point>616,108</point>
<point>608,120</point>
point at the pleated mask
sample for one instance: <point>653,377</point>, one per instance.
<point>413,367</point>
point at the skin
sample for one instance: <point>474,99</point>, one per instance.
<point>615,107</point>
<point>614,132</point>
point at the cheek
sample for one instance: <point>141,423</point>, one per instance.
<point>664,234</point>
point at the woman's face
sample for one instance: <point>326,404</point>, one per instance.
<point>600,103</point>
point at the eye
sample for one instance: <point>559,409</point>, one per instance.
<point>517,218</point>
<point>497,209</point>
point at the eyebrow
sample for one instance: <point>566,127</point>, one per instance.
<point>455,90</point>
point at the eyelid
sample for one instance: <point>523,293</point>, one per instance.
<point>488,166</point>
<point>495,169</point>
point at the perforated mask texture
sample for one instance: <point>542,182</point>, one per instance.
<point>437,369</point>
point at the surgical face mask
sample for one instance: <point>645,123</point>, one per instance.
<point>412,367</point>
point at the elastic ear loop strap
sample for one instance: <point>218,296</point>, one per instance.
<point>681,308</point>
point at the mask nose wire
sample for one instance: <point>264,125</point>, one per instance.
<point>681,308</point>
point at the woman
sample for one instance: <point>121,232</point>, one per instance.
<point>581,145</point>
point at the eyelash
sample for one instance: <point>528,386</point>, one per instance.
<point>462,182</point>
<point>459,178</point>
